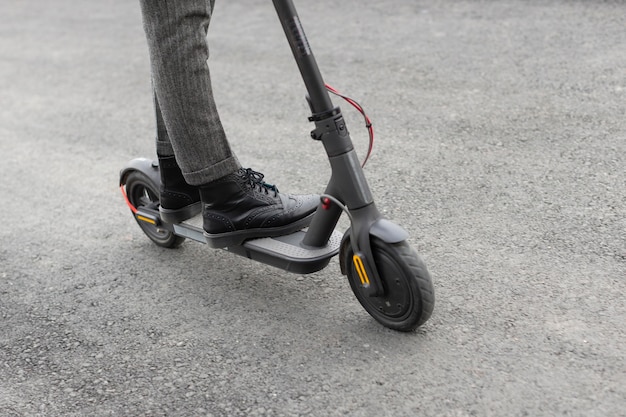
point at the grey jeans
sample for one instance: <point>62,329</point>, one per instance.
<point>188,125</point>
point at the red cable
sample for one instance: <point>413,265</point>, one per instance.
<point>368,122</point>
<point>132,208</point>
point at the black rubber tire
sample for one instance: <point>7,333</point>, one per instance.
<point>409,295</point>
<point>143,192</point>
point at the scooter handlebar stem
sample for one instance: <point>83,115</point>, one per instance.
<point>319,98</point>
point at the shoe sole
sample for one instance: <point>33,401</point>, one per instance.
<point>236,238</point>
<point>180,215</point>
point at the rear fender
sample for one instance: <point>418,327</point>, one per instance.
<point>148,167</point>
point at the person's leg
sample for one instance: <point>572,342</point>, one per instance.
<point>188,124</point>
<point>178,200</point>
<point>236,203</point>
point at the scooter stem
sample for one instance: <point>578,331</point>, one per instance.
<point>348,182</point>
<point>319,98</point>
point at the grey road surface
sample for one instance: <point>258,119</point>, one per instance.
<point>501,148</point>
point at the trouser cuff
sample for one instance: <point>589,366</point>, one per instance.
<point>212,173</point>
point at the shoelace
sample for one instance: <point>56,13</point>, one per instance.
<point>256,179</point>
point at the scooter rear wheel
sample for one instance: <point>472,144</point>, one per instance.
<point>144,193</point>
<point>408,299</point>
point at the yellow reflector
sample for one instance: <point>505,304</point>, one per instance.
<point>360,269</point>
<point>146,219</point>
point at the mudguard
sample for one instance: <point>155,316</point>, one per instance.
<point>384,229</point>
<point>148,167</point>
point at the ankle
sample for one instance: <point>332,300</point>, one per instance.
<point>220,191</point>
<point>171,175</point>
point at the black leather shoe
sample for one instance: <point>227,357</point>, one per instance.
<point>241,206</point>
<point>179,200</point>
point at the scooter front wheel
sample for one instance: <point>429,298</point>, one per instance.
<point>142,192</point>
<point>408,298</point>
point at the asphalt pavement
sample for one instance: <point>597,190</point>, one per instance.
<point>500,147</point>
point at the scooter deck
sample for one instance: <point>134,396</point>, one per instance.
<point>285,252</point>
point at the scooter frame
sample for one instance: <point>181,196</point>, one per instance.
<point>347,182</point>
<point>311,249</point>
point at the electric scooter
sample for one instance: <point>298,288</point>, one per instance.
<point>387,276</point>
